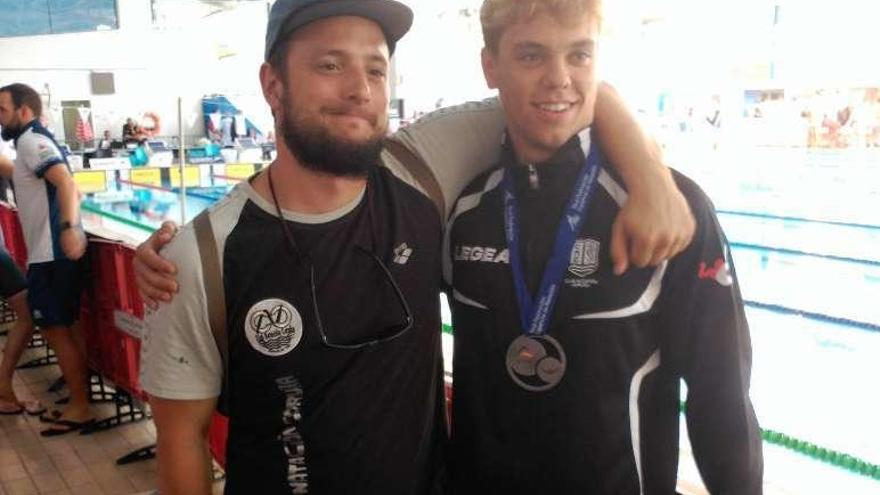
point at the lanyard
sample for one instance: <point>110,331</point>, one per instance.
<point>535,314</point>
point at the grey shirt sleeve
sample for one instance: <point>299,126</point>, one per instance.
<point>179,359</point>
<point>456,143</point>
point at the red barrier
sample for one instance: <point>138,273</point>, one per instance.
<point>13,235</point>
<point>115,316</point>
<point>217,435</point>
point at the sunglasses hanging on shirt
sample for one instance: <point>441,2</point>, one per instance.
<point>386,333</point>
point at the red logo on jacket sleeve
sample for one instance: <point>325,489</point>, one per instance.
<point>719,271</point>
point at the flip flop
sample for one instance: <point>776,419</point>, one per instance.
<point>32,407</point>
<point>71,427</point>
<point>10,407</point>
<point>50,416</point>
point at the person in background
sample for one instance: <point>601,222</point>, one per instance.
<point>48,207</point>
<point>13,288</point>
<point>7,155</point>
<point>129,132</point>
<point>105,142</point>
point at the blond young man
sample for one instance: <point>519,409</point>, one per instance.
<point>566,376</point>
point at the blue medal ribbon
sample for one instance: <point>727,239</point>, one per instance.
<point>535,314</point>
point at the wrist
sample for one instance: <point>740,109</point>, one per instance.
<point>653,180</point>
<point>66,224</point>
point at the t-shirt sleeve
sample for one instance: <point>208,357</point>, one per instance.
<point>38,153</point>
<point>456,143</point>
<point>706,340</point>
<point>179,358</point>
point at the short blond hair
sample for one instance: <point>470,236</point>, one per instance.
<point>497,15</point>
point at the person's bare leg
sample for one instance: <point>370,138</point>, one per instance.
<point>16,342</point>
<point>79,339</point>
<point>73,368</point>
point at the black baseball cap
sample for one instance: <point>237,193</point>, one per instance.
<point>287,16</point>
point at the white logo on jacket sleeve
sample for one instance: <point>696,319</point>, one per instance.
<point>273,327</point>
<point>584,257</point>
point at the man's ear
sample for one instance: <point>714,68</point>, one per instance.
<point>487,58</point>
<point>25,114</point>
<point>272,85</point>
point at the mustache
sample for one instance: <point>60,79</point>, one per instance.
<point>351,111</point>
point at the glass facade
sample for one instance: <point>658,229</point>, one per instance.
<point>38,17</point>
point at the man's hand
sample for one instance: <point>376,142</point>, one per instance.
<point>73,243</point>
<point>654,225</point>
<point>155,275</point>
<point>656,222</point>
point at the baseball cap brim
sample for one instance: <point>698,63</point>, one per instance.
<point>393,17</point>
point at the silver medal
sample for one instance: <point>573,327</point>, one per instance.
<point>536,363</point>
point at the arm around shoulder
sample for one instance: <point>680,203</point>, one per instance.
<point>656,222</point>
<point>457,143</point>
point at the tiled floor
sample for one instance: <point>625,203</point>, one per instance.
<point>73,463</point>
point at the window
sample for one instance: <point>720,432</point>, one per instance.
<point>56,16</point>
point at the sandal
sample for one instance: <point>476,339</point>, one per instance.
<point>50,416</point>
<point>32,407</point>
<point>70,425</point>
<point>10,407</point>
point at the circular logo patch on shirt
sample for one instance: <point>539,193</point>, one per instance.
<point>273,327</point>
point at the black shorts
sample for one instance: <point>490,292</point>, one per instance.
<point>11,280</point>
<point>54,290</point>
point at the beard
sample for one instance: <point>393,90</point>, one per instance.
<point>319,151</point>
<point>10,132</point>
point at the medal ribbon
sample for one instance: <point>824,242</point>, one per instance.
<point>535,314</point>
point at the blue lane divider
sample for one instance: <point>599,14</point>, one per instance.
<point>798,219</point>
<point>804,253</point>
<point>209,197</point>
<point>812,315</point>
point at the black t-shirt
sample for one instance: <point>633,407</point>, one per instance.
<point>370,418</point>
<point>304,417</point>
<point>611,425</point>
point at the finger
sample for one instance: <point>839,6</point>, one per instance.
<point>151,296</point>
<point>677,247</point>
<point>669,254</point>
<point>158,281</point>
<point>661,252</point>
<point>658,249</point>
<point>618,247</point>
<point>169,227</point>
<point>148,253</point>
<point>150,290</point>
<point>682,243</point>
<point>640,252</point>
<point>149,302</point>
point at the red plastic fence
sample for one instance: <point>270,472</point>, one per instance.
<point>112,315</point>
<point>13,235</point>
